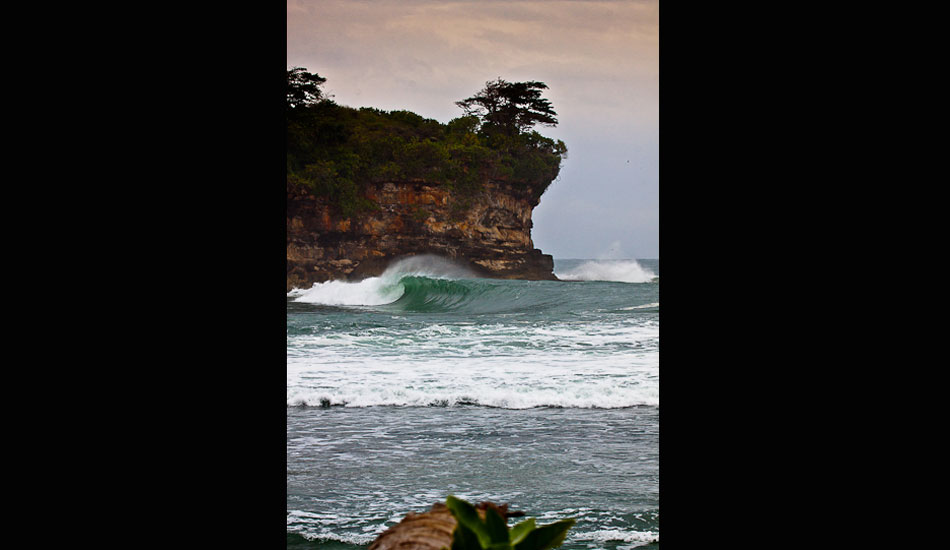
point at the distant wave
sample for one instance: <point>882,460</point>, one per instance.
<point>654,305</point>
<point>622,271</point>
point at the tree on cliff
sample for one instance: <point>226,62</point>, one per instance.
<point>303,88</point>
<point>334,152</point>
<point>510,107</point>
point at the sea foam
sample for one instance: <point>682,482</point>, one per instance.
<point>385,289</point>
<point>622,271</point>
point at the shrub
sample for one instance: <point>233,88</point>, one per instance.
<point>492,533</point>
<point>335,151</point>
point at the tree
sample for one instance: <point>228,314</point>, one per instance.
<point>511,107</point>
<point>303,88</point>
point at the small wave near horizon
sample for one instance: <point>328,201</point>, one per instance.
<point>620,271</point>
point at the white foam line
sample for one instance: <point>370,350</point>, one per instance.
<point>625,271</point>
<point>385,289</point>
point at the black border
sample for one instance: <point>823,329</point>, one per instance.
<point>199,133</point>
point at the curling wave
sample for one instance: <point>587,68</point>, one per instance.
<point>425,284</point>
<point>385,289</point>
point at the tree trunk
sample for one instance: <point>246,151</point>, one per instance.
<point>430,530</point>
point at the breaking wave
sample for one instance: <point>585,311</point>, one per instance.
<point>430,284</point>
<point>388,287</point>
<point>581,397</point>
<point>423,284</point>
<point>428,333</point>
<point>621,271</point>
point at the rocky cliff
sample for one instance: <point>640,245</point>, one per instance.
<point>489,230</point>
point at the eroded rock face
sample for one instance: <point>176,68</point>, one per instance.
<point>490,231</point>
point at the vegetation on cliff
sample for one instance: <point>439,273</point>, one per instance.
<point>335,151</point>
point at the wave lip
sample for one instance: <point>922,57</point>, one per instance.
<point>374,291</point>
<point>621,271</point>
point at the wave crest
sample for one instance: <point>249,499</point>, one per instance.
<point>621,271</point>
<point>589,396</point>
<point>385,289</point>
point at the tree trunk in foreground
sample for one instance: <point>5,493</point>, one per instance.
<point>430,530</point>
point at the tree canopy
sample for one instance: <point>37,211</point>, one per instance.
<point>511,107</point>
<point>336,151</point>
<point>303,88</point>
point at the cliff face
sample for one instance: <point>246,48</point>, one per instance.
<point>490,231</point>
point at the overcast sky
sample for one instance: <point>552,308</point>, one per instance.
<point>600,60</point>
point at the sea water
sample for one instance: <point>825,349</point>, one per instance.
<point>429,381</point>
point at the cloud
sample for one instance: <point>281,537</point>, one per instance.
<point>372,51</point>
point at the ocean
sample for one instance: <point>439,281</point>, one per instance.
<point>428,381</point>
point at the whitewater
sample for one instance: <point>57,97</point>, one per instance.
<point>428,381</point>
<point>427,333</point>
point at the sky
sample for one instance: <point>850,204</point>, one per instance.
<point>600,60</point>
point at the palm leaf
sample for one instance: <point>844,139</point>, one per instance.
<point>547,536</point>
<point>466,515</point>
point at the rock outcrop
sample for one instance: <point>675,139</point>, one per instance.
<point>489,230</point>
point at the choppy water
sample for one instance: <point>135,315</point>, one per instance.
<point>426,382</point>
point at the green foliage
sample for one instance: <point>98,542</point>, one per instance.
<point>303,88</point>
<point>337,151</point>
<point>463,125</point>
<point>510,107</point>
<point>492,533</point>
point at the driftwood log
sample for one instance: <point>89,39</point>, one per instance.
<point>430,530</point>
